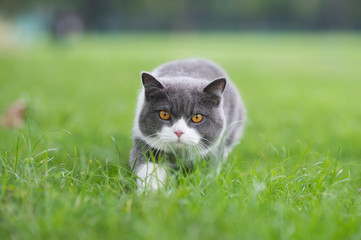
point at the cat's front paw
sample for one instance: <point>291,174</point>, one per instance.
<point>150,177</point>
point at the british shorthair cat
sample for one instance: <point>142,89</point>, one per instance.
<point>186,108</point>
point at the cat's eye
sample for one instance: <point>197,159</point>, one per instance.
<point>197,118</point>
<point>164,115</point>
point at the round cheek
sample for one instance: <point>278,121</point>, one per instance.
<point>210,129</point>
<point>149,123</point>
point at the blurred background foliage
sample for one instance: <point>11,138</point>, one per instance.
<point>112,15</point>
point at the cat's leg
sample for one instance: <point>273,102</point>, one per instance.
<point>150,175</point>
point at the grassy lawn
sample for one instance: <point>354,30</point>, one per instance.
<point>296,174</point>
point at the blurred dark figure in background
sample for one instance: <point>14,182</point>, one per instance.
<point>67,25</point>
<point>116,15</point>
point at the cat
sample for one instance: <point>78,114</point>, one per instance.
<point>186,107</point>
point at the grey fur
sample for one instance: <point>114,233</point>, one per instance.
<point>183,88</point>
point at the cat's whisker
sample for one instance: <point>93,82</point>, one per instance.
<point>160,145</point>
<point>145,139</point>
<point>204,149</point>
<point>166,147</point>
<point>149,136</point>
<point>190,152</point>
<point>210,148</point>
<point>156,142</point>
<point>207,141</point>
<point>157,148</point>
<point>197,149</point>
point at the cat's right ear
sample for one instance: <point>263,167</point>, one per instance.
<point>151,85</point>
<point>216,87</point>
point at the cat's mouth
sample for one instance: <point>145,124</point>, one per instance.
<point>179,143</point>
<point>183,142</point>
<point>169,143</point>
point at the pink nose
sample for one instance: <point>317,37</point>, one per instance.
<point>178,133</point>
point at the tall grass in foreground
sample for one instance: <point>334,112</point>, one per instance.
<point>294,198</point>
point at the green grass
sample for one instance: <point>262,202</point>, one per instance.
<point>296,174</point>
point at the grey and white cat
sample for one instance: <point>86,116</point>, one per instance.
<point>188,108</point>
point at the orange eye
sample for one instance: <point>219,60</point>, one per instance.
<point>197,118</point>
<point>164,115</point>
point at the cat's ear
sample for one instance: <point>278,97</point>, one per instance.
<point>216,87</point>
<point>151,85</point>
<point>149,81</point>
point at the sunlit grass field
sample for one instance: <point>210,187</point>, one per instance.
<point>295,175</point>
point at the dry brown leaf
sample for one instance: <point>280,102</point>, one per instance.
<point>14,115</point>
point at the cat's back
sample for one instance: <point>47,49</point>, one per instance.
<point>190,68</point>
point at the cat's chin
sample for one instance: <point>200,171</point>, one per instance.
<point>179,147</point>
<point>173,146</point>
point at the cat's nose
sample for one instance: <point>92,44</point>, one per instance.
<point>178,133</point>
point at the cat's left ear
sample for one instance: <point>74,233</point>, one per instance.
<point>216,87</point>
<point>151,85</point>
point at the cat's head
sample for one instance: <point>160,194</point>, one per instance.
<point>182,114</point>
